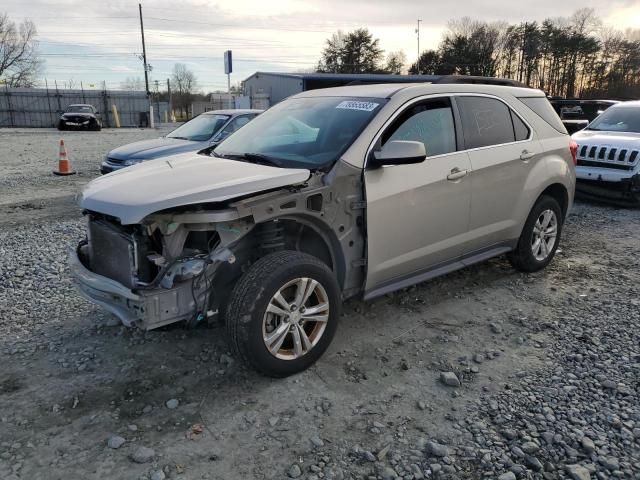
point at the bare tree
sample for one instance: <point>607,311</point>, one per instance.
<point>132,83</point>
<point>19,62</point>
<point>396,62</point>
<point>184,85</point>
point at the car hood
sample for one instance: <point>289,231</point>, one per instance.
<point>154,148</point>
<point>133,193</point>
<point>615,139</point>
<point>79,114</point>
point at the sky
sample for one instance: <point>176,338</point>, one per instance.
<point>99,41</point>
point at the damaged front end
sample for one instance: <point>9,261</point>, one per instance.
<point>158,272</point>
<point>624,191</point>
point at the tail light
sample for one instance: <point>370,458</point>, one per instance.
<point>573,148</point>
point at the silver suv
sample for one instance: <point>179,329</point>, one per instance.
<point>357,190</point>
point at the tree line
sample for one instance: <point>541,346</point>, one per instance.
<point>576,56</point>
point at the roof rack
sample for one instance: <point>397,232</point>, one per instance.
<point>440,79</point>
<point>471,79</point>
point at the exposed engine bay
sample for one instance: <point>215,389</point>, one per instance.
<point>181,264</point>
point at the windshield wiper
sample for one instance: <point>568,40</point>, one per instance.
<point>257,158</point>
<point>179,138</point>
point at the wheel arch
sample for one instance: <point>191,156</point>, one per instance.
<point>559,192</point>
<point>315,238</point>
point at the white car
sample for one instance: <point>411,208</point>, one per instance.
<point>609,154</point>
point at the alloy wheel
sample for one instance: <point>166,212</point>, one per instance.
<point>545,233</point>
<point>295,319</point>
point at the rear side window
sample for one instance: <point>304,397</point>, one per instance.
<point>542,108</point>
<point>519,128</point>
<point>485,121</point>
<point>430,122</point>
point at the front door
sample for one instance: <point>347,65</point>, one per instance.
<point>417,215</point>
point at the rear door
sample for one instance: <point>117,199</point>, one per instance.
<point>417,215</point>
<point>502,152</point>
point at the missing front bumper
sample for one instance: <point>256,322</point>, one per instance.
<point>625,192</point>
<point>145,309</point>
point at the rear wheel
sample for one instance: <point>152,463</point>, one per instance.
<point>540,236</point>
<point>283,313</point>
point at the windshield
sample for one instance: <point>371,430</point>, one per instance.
<point>618,119</point>
<point>201,128</point>
<point>302,132</point>
<point>79,109</point>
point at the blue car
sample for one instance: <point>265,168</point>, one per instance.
<point>204,131</point>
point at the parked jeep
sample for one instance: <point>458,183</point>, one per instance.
<point>357,190</point>
<point>609,155</point>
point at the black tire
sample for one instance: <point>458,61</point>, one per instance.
<point>522,258</point>
<point>61,126</point>
<point>248,302</point>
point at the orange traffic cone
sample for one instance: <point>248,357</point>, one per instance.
<point>64,164</point>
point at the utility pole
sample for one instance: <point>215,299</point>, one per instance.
<point>169,95</point>
<point>418,32</point>
<point>157,85</point>
<point>144,53</point>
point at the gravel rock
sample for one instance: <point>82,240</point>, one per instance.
<point>115,441</point>
<point>530,447</point>
<point>450,379</point>
<point>294,471</point>
<point>610,463</point>
<point>533,463</point>
<point>507,476</point>
<point>437,449</point>
<point>143,455</point>
<point>478,358</point>
<point>496,328</point>
<point>158,475</point>
<point>317,441</point>
<point>588,445</point>
<point>578,472</point>
<point>172,404</point>
<point>388,473</point>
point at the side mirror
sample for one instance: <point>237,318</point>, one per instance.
<point>399,152</point>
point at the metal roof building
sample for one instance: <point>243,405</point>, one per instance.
<point>279,86</point>
<point>274,87</point>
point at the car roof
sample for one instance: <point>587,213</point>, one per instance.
<point>632,103</point>
<point>80,105</point>
<point>239,111</point>
<point>390,89</point>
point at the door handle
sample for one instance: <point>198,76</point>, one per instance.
<point>526,155</point>
<point>457,174</point>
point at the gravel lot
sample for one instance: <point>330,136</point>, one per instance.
<point>28,157</point>
<point>548,364</point>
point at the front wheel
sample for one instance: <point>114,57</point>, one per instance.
<point>540,236</point>
<point>283,313</point>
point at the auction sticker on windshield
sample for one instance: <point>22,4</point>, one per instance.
<point>353,105</point>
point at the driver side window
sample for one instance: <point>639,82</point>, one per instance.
<point>235,125</point>
<point>430,122</point>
